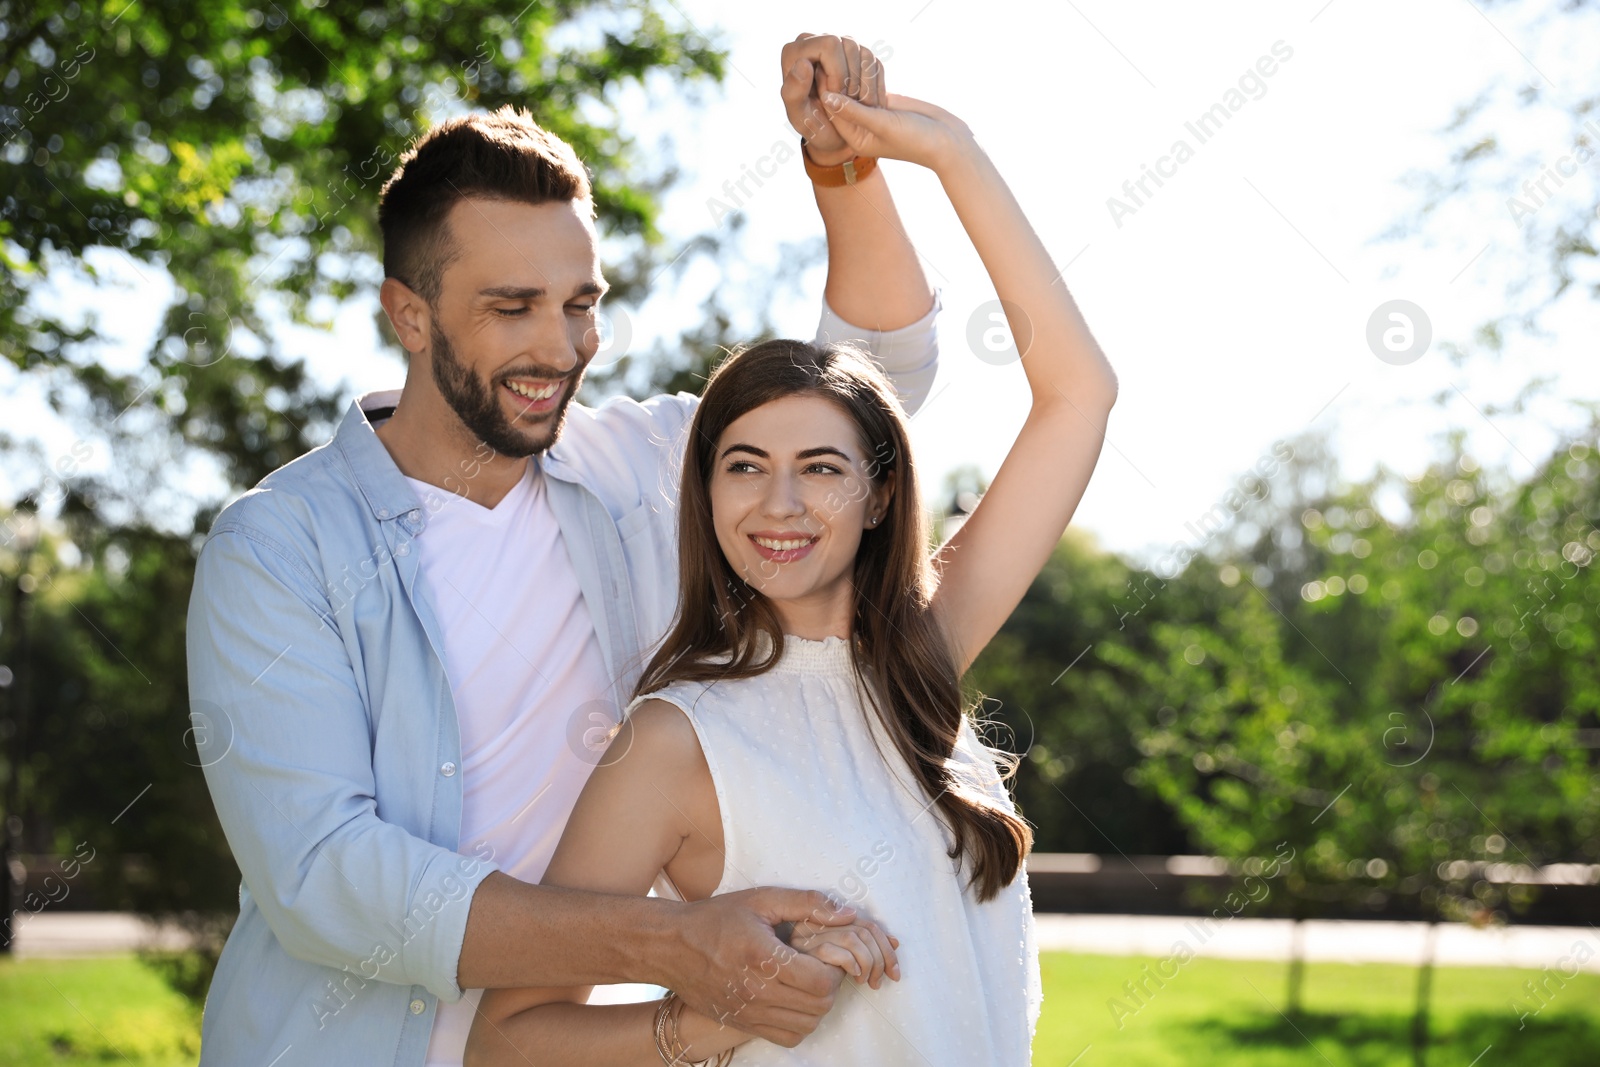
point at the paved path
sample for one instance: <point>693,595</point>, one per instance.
<point>1326,941</point>
<point>90,933</point>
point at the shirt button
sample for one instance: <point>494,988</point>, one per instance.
<point>417,1007</point>
<point>383,513</point>
<point>403,550</point>
<point>448,770</point>
<point>414,514</point>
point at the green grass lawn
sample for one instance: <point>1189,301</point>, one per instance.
<point>1214,1012</point>
<point>1226,1012</point>
<point>93,1011</point>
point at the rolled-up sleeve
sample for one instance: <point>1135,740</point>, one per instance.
<point>909,355</point>
<point>287,755</point>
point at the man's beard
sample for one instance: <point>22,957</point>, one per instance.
<point>478,406</point>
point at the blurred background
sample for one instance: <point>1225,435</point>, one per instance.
<point>1307,703</point>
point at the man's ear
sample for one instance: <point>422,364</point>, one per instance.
<point>408,314</point>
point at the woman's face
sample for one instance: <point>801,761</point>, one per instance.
<point>791,494</point>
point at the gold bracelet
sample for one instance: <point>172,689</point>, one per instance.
<point>670,1047</point>
<point>661,1026</point>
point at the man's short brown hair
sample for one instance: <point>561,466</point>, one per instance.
<point>500,156</point>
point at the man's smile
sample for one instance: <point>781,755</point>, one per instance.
<point>532,396</point>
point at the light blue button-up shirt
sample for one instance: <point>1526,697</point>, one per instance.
<point>326,727</point>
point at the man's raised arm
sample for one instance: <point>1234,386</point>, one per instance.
<point>876,291</point>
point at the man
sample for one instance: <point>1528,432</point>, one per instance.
<point>408,644</point>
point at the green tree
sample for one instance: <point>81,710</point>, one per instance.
<point>1056,689</point>
<point>237,150</point>
<point>232,151</point>
<point>1439,660</point>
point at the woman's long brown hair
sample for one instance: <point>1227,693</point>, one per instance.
<point>898,642</point>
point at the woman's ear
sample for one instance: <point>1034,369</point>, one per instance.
<point>878,502</point>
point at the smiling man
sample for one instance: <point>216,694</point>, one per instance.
<point>409,646</point>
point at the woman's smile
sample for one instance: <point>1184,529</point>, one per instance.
<point>781,547</point>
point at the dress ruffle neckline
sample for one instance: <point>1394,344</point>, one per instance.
<point>830,655</point>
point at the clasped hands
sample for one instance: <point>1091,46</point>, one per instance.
<point>770,961</point>
<point>835,96</point>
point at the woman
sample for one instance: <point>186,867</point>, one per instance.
<point>803,722</point>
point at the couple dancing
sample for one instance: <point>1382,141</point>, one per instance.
<point>403,639</point>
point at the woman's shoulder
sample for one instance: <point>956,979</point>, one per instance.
<point>684,695</point>
<point>659,728</point>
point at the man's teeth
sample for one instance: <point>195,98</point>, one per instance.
<point>541,393</point>
<point>782,546</point>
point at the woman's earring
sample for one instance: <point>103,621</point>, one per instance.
<point>873,520</point>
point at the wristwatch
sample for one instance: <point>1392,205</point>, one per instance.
<point>847,173</point>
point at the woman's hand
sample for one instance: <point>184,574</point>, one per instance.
<point>862,949</point>
<point>907,128</point>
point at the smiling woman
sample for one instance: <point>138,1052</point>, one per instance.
<point>781,497</point>
<point>804,714</point>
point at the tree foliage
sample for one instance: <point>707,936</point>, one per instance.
<point>232,152</point>
<point>236,150</point>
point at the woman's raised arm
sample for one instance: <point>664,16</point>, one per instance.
<point>988,564</point>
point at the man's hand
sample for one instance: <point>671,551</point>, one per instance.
<point>731,966</point>
<point>813,65</point>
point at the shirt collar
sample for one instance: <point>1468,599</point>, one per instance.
<point>384,488</point>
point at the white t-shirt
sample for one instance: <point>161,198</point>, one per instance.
<point>528,679</point>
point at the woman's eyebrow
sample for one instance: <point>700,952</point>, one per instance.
<point>805,453</point>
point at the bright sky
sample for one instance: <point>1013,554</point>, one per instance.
<point>1233,302</point>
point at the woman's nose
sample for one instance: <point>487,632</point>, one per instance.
<point>784,499</point>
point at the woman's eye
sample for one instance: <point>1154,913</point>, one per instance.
<point>823,468</point>
<point>740,466</point>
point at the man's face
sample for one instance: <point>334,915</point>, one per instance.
<point>514,325</point>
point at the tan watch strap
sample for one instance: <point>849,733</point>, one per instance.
<point>847,173</point>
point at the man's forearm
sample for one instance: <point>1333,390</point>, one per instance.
<point>532,935</point>
<point>875,278</point>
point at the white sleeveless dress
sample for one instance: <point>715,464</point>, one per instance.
<point>808,801</point>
